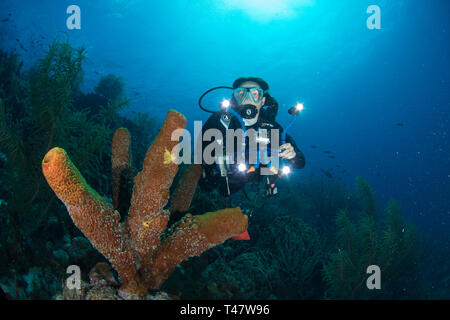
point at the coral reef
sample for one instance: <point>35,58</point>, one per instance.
<point>290,259</point>
<point>282,261</point>
<point>40,108</point>
<point>134,247</point>
<point>181,200</point>
<point>121,161</point>
<point>111,87</point>
<point>12,88</point>
<point>102,285</point>
<point>392,245</point>
<point>313,241</point>
<point>35,112</point>
<point>294,251</point>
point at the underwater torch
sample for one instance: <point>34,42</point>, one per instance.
<point>295,110</point>
<point>225,104</point>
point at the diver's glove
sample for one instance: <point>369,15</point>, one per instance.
<point>287,151</point>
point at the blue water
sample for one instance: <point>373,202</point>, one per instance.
<point>379,100</point>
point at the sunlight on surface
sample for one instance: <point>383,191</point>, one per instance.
<point>267,10</point>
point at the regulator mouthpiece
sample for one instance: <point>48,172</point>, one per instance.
<point>247,111</point>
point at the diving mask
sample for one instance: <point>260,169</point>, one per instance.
<point>240,94</point>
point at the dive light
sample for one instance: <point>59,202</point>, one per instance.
<point>286,170</point>
<point>242,167</point>
<point>295,110</point>
<point>225,103</point>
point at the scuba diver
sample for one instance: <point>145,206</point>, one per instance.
<point>250,107</point>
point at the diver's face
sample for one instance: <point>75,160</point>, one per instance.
<point>249,100</point>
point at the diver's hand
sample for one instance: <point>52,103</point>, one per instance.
<point>288,152</point>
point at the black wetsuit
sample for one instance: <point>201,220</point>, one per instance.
<point>211,177</point>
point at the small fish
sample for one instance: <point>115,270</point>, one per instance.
<point>332,157</point>
<point>338,166</point>
<point>168,157</point>
<point>146,224</point>
<point>4,20</point>
<point>23,48</point>
<point>399,124</point>
<point>313,146</point>
<point>328,174</point>
<point>327,152</point>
